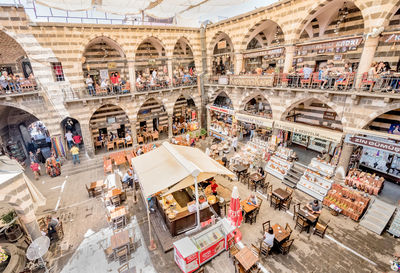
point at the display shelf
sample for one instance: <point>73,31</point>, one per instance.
<point>378,170</point>
<point>323,167</point>
<point>278,167</point>
<point>309,191</point>
<point>284,153</point>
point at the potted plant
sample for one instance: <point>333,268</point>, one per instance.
<point>203,133</point>
<point>13,232</point>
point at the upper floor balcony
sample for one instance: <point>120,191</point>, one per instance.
<point>14,87</point>
<point>387,85</point>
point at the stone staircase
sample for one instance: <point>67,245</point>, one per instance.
<point>87,163</point>
<point>294,174</point>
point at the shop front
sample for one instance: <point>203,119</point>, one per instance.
<point>268,60</point>
<point>262,127</point>
<point>221,123</point>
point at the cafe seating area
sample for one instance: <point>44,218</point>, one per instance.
<point>145,137</point>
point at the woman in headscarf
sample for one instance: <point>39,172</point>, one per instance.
<point>52,167</point>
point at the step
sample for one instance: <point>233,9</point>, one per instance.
<point>289,183</point>
<point>292,179</point>
<point>294,175</point>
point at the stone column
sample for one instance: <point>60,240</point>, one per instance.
<point>132,75</point>
<point>289,55</point>
<point>133,130</point>
<point>170,72</point>
<point>31,225</point>
<point>343,164</point>
<point>367,56</point>
<point>239,63</point>
<point>170,135</point>
<point>87,139</point>
<point>208,120</point>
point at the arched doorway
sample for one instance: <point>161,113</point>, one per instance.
<point>222,62</point>
<point>22,132</point>
<point>152,122</point>
<point>151,65</point>
<point>183,61</point>
<point>102,59</point>
<point>185,116</point>
<point>258,105</point>
<point>221,124</point>
<point>334,20</point>
<point>109,125</point>
<point>15,66</point>
<point>72,125</point>
<point>265,34</point>
<point>223,101</point>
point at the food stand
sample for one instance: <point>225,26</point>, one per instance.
<point>221,124</point>
<point>192,252</point>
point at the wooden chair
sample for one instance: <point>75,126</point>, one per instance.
<point>122,254</point>
<point>286,203</point>
<point>302,223</point>
<point>244,178</point>
<point>365,81</point>
<point>116,200</point>
<point>347,82</point>
<point>109,254</point>
<point>306,82</point>
<point>255,250</point>
<point>97,191</point>
<point>259,201</point>
<point>320,228</point>
<point>132,243</point>
<point>123,268</point>
<point>155,135</point>
<point>140,140</point>
<point>296,208</point>
<point>252,217</point>
<point>90,192</point>
<point>275,202</point>
<point>288,229</point>
<point>289,190</point>
<point>269,191</point>
<point>264,249</point>
<point>110,146</point>
<point>285,247</point>
<point>266,226</point>
<point>233,250</point>
<point>98,144</point>
<point>120,222</point>
<point>129,142</point>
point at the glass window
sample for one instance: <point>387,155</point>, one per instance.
<point>58,72</point>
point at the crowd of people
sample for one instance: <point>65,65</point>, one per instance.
<point>10,83</point>
<point>157,81</point>
<point>113,85</point>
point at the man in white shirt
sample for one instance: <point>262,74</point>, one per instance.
<point>128,138</point>
<point>307,71</point>
<point>89,83</point>
<point>128,179</point>
<point>70,140</point>
<point>269,237</point>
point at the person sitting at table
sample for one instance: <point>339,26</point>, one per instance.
<point>261,171</point>
<point>139,151</point>
<point>269,237</point>
<point>127,179</point>
<point>314,207</point>
<point>252,199</point>
<point>112,136</point>
<point>214,187</point>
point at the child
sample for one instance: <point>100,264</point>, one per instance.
<point>35,169</point>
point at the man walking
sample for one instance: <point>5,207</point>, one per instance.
<point>70,140</point>
<point>75,154</point>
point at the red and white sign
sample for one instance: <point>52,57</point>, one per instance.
<point>373,143</point>
<point>222,110</point>
<point>212,251</point>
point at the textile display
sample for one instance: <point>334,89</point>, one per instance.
<point>57,146</point>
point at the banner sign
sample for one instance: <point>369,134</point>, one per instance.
<point>373,143</point>
<point>350,43</point>
<point>307,130</point>
<point>255,120</point>
<point>276,52</point>
<point>221,110</point>
<point>221,45</point>
<point>391,38</point>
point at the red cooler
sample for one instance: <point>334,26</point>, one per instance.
<point>186,255</point>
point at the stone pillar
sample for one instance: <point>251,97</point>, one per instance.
<point>170,135</point>
<point>87,139</point>
<point>343,164</point>
<point>289,55</point>
<point>133,131</point>
<point>367,56</point>
<point>170,72</point>
<point>239,63</point>
<point>30,223</point>
<point>208,120</point>
<point>132,75</point>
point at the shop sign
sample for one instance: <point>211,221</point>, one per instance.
<point>221,44</point>
<point>311,131</point>
<point>222,110</point>
<point>391,38</point>
<point>104,73</point>
<point>212,251</point>
<point>373,143</point>
<point>254,120</point>
<point>276,52</point>
<point>328,46</point>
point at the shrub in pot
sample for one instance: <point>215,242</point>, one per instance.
<point>13,232</point>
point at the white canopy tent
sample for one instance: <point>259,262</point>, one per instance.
<point>173,167</point>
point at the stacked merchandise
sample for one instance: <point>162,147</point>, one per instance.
<point>349,202</point>
<point>278,167</point>
<point>316,180</point>
<point>284,153</point>
<point>221,128</point>
<point>249,154</point>
<point>363,181</point>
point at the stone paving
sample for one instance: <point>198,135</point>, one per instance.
<point>346,248</point>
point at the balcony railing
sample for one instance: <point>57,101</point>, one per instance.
<point>125,89</point>
<point>18,86</point>
<point>333,82</point>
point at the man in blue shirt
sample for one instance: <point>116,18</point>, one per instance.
<point>128,178</point>
<point>307,71</point>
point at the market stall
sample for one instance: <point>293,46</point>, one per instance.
<point>261,125</point>
<point>266,59</point>
<point>221,123</point>
<point>181,168</point>
<point>253,153</point>
<point>363,181</point>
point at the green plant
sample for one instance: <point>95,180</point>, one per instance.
<point>203,131</point>
<point>8,217</point>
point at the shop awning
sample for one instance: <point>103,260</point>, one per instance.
<point>271,53</point>
<point>308,130</point>
<point>170,167</point>
<point>354,131</point>
<point>254,119</point>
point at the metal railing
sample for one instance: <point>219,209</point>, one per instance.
<point>333,82</point>
<point>18,86</point>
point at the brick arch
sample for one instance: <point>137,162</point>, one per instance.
<point>372,116</point>
<point>251,32</point>
<point>318,6</point>
<point>216,38</point>
<point>91,112</point>
<point>187,41</point>
<point>253,95</point>
<point>290,104</point>
<point>389,14</point>
<point>152,98</point>
<point>115,42</point>
<point>152,39</point>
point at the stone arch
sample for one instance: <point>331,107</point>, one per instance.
<point>319,7</point>
<point>260,26</point>
<point>372,116</point>
<point>223,92</point>
<point>113,40</point>
<point>181,57</point>
<point>98,106</point>
<point>153,40</point>
<point>217,37</point>
<point>153,112</point>
<point>389,14</point>
<point>291,105</point>
<point>245,99</point>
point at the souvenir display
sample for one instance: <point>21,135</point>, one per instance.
<point>363,181</point>
<point>351,203</point>
<point>381,161</point>
<point>284,152</point>
<point>278,167</point>
<point>322,168</point>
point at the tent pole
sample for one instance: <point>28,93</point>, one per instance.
<point>152,245</point>
<point>196,188</point>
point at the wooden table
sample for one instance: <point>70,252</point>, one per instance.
<point>256,178</point>
<point>96,184</point>
<point>306,213</point>
<point>246,258</point>
<point>119,158</point>
<point>118,212</point>
<point>246,207</point>
<point>113,192</point>
<point>119,240</point>
<point>281,194</point>
<point>240,169</point>
<point>280,236</point>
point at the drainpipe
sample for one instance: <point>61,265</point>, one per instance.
<point>204,95</point>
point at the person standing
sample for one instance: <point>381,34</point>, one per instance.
<point>40,157</point>
<point>70,140</point>
<point>77,139</point>
<point>235,143</point>
<point>89,83</point>
<point>35,169</point>
<point>32,157</point>
<point>75,154</point>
